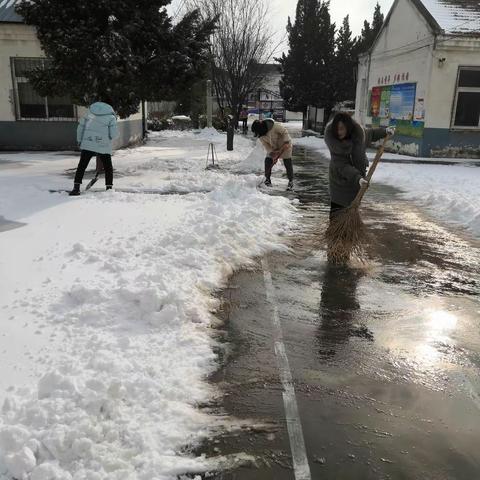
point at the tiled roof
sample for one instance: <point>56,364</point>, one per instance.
<point>8,13</point>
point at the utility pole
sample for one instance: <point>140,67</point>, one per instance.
<point>209,104</point>
<point>230,132</point>
<point>144,121</point>
<point>259,100</point>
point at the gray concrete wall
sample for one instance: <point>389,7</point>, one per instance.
<point>405,146</point>
<point>130,133</point>
<point>438,143</point>
<point>446,143</point>
<point>32,135</point>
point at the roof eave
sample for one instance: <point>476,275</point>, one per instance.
<point>461,34</point>
<point>432,23</point>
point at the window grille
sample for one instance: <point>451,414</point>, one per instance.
<point>29,105</point>
<point>467,99</point>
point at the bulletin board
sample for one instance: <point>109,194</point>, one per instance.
<point>402,101</point>
<point>397,105</point>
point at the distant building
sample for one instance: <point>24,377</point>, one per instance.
<point>27,120</point>
<point>423,75</point>
<point>271,101</point>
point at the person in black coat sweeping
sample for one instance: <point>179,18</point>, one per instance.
<point>348,141</point>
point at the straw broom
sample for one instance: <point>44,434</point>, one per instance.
<point>346,235</point>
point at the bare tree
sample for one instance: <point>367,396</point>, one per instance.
<point>239,47</point>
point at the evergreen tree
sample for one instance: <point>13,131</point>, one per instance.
<point>117,51</point>
<point>308,70</point>
<point>378,19</point>
<point>370,31</point>
<point>345,62</point>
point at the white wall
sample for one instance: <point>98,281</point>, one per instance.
<point>19,40</point>
<point>403,47</point>
<point>441,97</point>
<point>404,29</point>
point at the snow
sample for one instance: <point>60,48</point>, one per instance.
<point>313,142</point>
<point>455,16</point>
<point>451,193</point>
<point>106,306</point>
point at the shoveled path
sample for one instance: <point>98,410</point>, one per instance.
<point>384,357</point>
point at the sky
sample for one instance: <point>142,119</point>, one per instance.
<point>359,10</point>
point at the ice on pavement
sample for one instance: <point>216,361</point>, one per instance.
<point>106,306</point>
<point>451,193</point>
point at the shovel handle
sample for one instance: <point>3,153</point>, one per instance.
<point>371,171</point>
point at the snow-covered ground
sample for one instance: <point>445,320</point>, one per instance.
<point>449,192</point>
<point>106,305</point>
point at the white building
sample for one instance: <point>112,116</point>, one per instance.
<point>27,120</point>
<point>423,75</point>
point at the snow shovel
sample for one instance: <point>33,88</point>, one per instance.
<point>99,169</point>
<point>346,233</point>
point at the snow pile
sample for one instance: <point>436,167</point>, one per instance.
<point>254,162</point>
<point>107,304</point>
<point>213,135</point>
<point>450,192</point>
<point>314,143</point>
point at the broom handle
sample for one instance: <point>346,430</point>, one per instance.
<point>376,161</point>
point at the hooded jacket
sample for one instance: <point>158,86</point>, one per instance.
<point>349,161</point>
<point>98,128</point>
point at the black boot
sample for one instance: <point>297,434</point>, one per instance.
<point>76,190</point>
<point>108,187</point>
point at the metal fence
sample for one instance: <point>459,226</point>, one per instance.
<point>160,110</point>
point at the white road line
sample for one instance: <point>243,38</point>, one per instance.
<point>301,467</point>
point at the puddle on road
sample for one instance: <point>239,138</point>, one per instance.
<point>385,357</point>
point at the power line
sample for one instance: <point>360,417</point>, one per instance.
<point>416,42</point>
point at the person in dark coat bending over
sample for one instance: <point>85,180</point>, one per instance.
<point>348,141</point>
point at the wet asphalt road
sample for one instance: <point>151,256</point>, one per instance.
<point>384,356</point>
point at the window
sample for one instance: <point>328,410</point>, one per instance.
<point>29,104</point>
<point>467,101</point>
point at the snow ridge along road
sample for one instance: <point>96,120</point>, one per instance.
<point>106,306</point>
<point>448,192</point>
<point>294,425</point>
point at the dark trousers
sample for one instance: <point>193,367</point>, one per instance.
<point>85,158</point>
<point>245,125</point>
<point>288,167</point>
<point>335,208</point>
